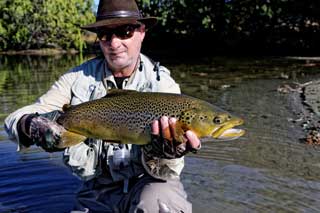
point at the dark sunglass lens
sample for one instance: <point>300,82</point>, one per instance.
<point>100,35</point>
<point>104,36</point>
<point>125,32</point>
<point>122,32</point>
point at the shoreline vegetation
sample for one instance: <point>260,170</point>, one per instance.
<point>89,40</point>
<point>168,46</point>
<point>40,52</point>
<point>185,29</point>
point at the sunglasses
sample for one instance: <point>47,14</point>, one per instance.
<point>122,32</point>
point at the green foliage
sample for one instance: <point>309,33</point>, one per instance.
<point>182,17</point>
<point>266,22</point>
<point>26,24</point>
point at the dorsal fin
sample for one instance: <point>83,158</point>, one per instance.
<point>118,92</point>
<point>66,107</point>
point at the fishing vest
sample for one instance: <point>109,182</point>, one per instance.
<point>103,160</point>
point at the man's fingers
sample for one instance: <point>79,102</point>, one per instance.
<point>155,129</point>
<point>172,125</point>
<point>165,129</point>
<point>193,140</point>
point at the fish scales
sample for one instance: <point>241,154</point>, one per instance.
<point>131,111</point>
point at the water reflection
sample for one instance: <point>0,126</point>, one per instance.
<point>24,78</point>
<point>268,170</point>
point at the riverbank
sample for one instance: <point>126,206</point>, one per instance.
<point>40,52</point>
<point>304,99</point>
<point>311,101</point>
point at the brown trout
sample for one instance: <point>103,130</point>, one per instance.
<point>125,116</point>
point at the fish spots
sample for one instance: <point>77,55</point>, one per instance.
<point>203,117</point>
<point>187,117</point>
<point>129,114</point>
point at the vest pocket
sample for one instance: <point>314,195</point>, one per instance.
<point>83,160</point>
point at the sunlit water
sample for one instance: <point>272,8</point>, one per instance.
<point>267,170</point>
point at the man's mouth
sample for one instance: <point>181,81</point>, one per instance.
<point>115,53</point>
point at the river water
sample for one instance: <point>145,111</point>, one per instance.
<point>267,170</point>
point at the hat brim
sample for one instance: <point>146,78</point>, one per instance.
<point>98,25</point>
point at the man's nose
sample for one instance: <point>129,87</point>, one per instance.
<point>114,41</point>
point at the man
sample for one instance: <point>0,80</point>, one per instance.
<point>117,178</point>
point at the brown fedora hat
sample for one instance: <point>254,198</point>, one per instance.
<point>117,12</point>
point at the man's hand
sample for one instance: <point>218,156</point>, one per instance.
<point>43,131</point>
<point>163,144</point>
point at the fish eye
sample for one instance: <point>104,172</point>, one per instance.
<point>217,120</point>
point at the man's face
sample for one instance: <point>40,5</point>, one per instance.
<point>121,45</point>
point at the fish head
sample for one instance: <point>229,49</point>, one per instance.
<point>216,124</point>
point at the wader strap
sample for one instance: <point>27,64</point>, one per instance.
<point>92,89</point>
<point>125,186</point>
<point>156,69</point>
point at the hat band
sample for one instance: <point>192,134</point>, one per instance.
<point>119,14</point>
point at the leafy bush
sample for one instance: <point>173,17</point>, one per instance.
<point>264,23</point>
<point>26,24</point>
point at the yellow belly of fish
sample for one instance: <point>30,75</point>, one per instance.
<point>123,135</point>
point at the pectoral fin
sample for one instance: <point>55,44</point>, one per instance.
<point>70,139</point>
<point>179,132</point>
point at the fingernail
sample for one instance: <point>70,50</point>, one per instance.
<point>155,127</point>
<point>190,134</point>
<point>193,139</point>
<point>155,122</point>
<point>172,120</point>
<point>164,119</point>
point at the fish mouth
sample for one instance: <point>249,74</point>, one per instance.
<point>231,134</point>
<point>227,132</point>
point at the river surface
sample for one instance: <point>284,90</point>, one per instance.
<point>267,170</point>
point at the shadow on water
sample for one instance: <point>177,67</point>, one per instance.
<point>267,170</point>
